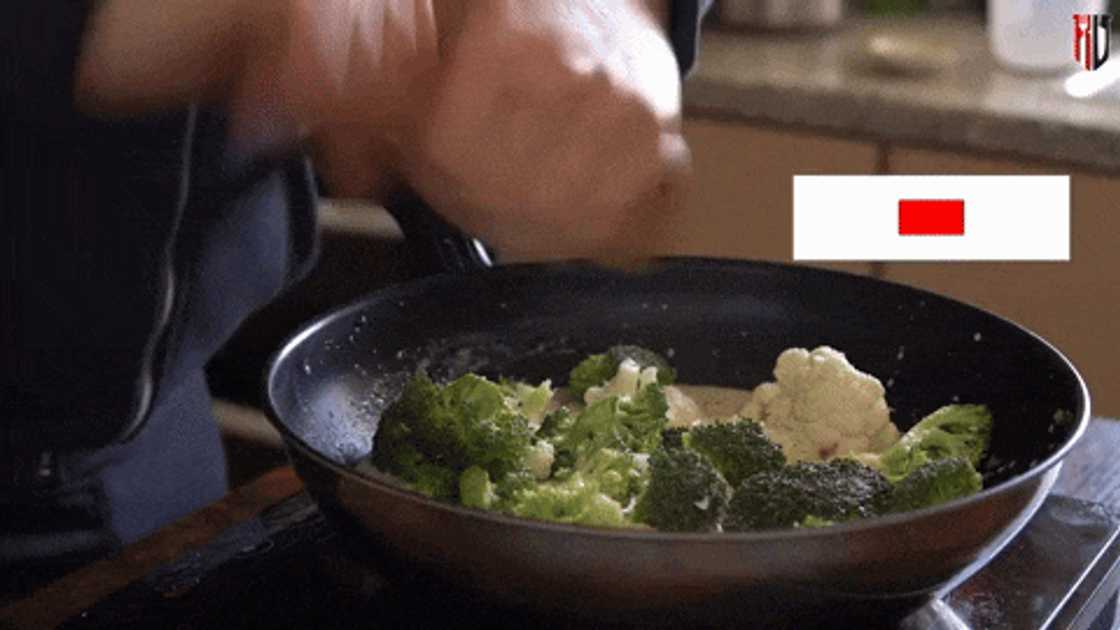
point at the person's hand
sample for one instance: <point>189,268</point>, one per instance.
<point>337,72</point>
<point>553,128</point>
<point>547,128</point>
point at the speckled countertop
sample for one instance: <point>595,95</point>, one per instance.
<point>825,81</point>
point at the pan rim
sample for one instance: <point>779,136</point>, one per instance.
<point>1083,417</point>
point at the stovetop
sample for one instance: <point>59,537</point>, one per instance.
<point>289,568</point>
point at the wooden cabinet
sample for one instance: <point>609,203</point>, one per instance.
<point>1075,304</point>
<point>741,207</point>
<point>739,204</point>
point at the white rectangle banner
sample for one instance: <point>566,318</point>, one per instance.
<point>931,217</point>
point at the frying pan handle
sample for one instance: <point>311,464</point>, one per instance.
<point>434,245</point>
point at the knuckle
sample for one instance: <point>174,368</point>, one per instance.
<point>642,115</point>
<point>545,60</point>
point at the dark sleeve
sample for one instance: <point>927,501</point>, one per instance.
<point>39,44</point>
<point>87,211</point>
<point>684,30</point>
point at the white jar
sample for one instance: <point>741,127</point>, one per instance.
<point>1036,36</point>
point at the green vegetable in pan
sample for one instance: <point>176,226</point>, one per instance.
<point>954,431</point>
<point>836,491</point>
<point>597,369</point>
<point>935,483</point>
<point>613,457</point>
<point>737,449</point>
<point>685,493</point>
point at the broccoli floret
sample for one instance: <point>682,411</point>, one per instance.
<point>934,483</point>
<point>643,418</point>
<point>465,423</point>
<point>507,487</point>
<point>952,431</point>
<point>556,423</point>
<point>408,464</point>
<point>493,435</point>
<point>475,488</point>
<point>685,492</point>
<point>617,422</point>
<point>839,490</point>
<point>600,368</point>
<point>645,358</point>
<point>619,475</point>
<point>737,449</point>
<point>594,370</point>
<point>815,522</point>
<point>394,452</point>
<point>571,500</point>
<point>531,402</point>
<point>673,437</point>
<point>434,480</point>
<point>556,426</point>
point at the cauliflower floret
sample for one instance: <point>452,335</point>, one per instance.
<point>683,411</point>
<point>630,378</point>
<point>539,459</point>
<point>820,406</point>
<point>626,382</point>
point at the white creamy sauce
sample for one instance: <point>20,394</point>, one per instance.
<point>716,403</point>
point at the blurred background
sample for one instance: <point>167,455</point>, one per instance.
<point>790,87</point>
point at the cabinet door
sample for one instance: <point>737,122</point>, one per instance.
<point>741,202</point>
<point>1075,305</point>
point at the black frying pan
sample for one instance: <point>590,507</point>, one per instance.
<point>725,323</point>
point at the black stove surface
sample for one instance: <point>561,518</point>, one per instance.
<point>289,568</point>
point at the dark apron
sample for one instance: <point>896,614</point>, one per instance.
<point>242,237</point>
<point>98,501</point>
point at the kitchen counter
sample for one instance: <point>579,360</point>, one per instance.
<point>824,82</point>
<point>157,576</point>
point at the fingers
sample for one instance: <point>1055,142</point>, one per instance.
<point>646,227</point>
<point>295,68</point>
<point>488,109</point>
<point>553,133</point>
<point>354,166</point>
<point>623,235</point>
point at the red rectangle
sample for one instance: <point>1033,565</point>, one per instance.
<point>931,217</point>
